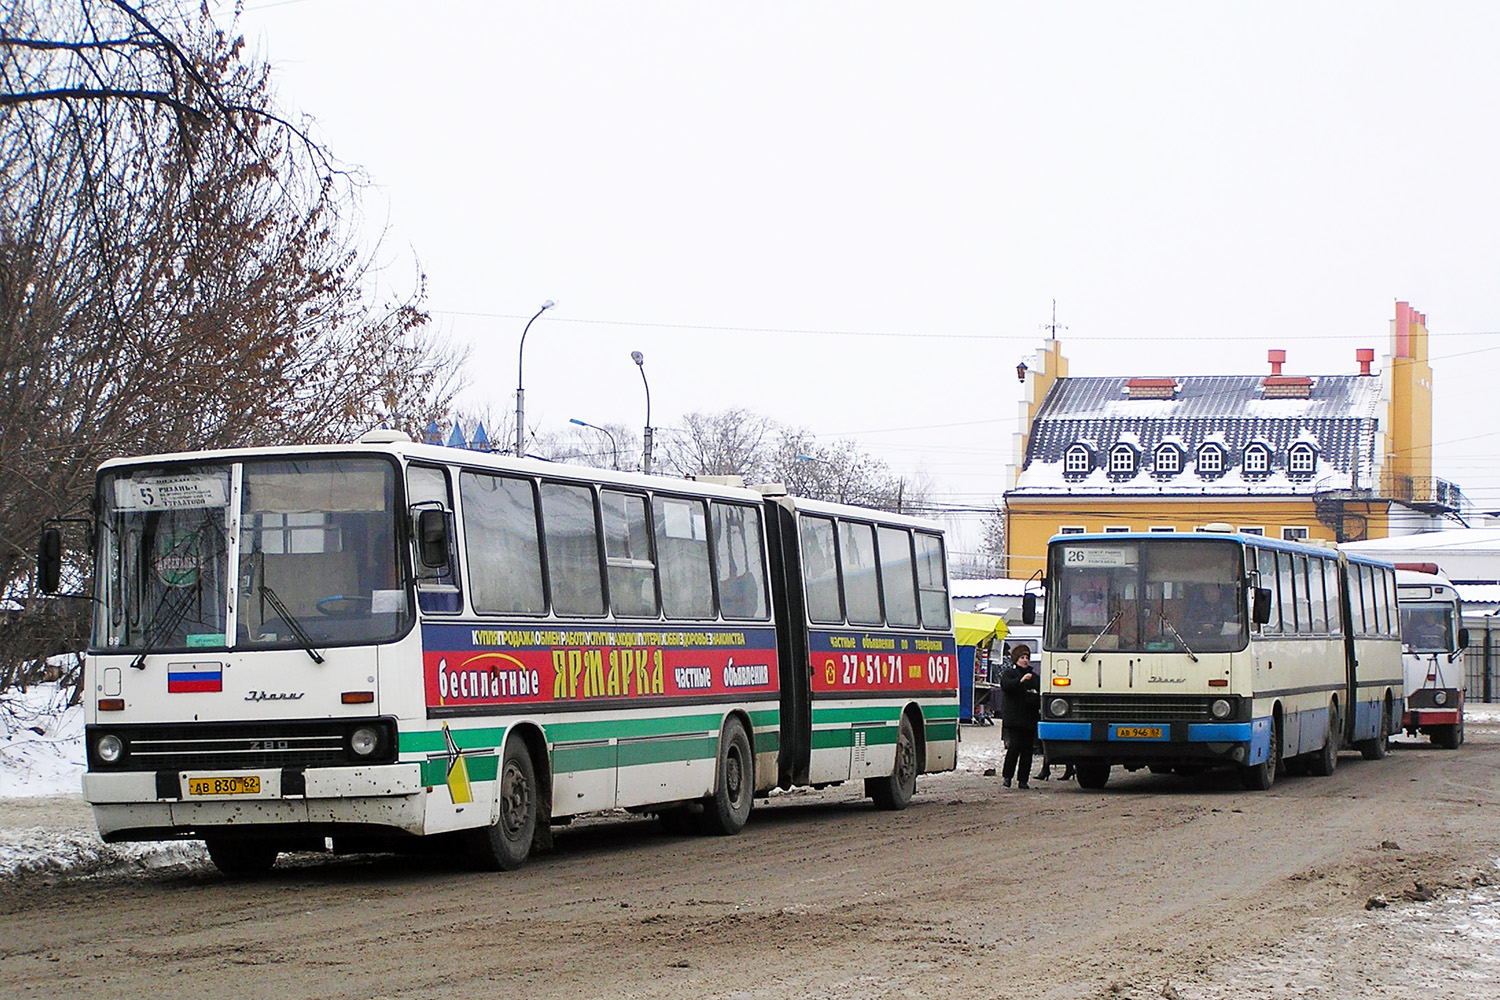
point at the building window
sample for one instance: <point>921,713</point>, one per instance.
<point>1251,531</point>
<point>1071,529</point>
<point>1168,460</point>
<point>1117,529</point>
<point>1257,460</point>
<point>1162,529</point>
<point>1293,534</point>
<point>1077,461</point>
<point>1301,459</point>
<point>1210,460</point>
<point>1122,460</point>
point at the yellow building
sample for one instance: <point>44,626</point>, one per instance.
<point>1335,457</point>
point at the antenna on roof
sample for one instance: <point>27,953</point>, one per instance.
<point>1053,326</point>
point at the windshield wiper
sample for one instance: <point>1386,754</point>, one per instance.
<point>291,622</point>
<point>1107,626</point>
<point>1164,620</point>
<point>162,629</point>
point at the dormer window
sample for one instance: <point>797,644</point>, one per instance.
<point>1122,460</point>
<point>1168,460</point>
<point>1210,460</point>
<point>1301,459</point>
<point>1077,460</point>
<point>1257,460</point>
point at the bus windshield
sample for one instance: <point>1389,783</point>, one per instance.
<point>1427,628</point>
<point>317,555</point>
<point>1146,596</point>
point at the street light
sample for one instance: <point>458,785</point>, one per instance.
<point>613,447</point>
<point>640,362</point>
<point>520,392</point>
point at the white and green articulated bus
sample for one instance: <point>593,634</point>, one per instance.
<point>1182,652</point>
<point>362,646</point>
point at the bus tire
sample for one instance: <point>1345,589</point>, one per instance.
<point>726,811</point>
<point>1447,737</point>
<point>1260,777</point>
<point>505,845</point>
<point>1375,749</point>
<point>1094,776</point>
<point>1323,763</point>
<point>896,789</point>
<point>237,857</point>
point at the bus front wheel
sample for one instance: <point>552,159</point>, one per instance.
<point>1375,749</point>
<point>505,845</point>
<point>1447,737</point>
<point>728,809</point>
<point>1092,775</point>
<point>1323,763</point>
<point>1260,777</point>
<point>895,790</point>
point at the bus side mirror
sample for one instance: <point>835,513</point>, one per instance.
<point>1463,638</point>
<point>1028,609</point>
<point>1262,610</point>
<point>49,561</point>
<point>432,538</point>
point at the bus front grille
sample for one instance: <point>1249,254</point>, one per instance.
<point>228,746</point>
<point>1129,708</point>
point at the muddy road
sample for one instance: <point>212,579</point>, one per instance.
<point>1157,886</point>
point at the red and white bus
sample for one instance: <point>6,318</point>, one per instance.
<point>362,646</point>
<point>1432,643</point>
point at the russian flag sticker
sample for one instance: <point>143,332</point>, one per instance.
<point>185,678</point>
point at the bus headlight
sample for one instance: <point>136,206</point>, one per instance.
<point>109,748</point>
<point>1440,697</point>
<point>1220,709</point>
<point>364,741</point>
<point>1057,707</point>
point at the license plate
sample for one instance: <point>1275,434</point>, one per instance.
<point>1138,732</point>
<point>248,784</point>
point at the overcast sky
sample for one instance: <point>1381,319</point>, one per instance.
<point>855,217</point>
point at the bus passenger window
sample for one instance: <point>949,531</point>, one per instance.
<point>897,582</point>
<point>861,590</point>
<point>932,581</point>
<point>572,537</point>
<point>500,540</point>
<point>739,561</point>
<point>687,589</point>
<point>627,552</point>
<point>820,570</point>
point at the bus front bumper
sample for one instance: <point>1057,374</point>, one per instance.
<point>1136,743</point>
<point>387,796</point>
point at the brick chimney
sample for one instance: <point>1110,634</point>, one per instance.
<point>1279,386</point>
<point>1151,388</point>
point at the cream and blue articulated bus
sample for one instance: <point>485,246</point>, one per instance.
<point>1182,652</point>
<point>363,646</point>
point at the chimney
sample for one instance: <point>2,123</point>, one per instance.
<point>1277,359</point>
<point>1364,355</point>
<point>1151,388</point>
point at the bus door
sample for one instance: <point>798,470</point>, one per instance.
<point>793,655</point>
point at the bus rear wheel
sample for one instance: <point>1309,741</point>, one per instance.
<point>237,857</point>
<point>1322,763</point>
<point>727,810</point>
<point>505,845</point>
<point>1375,749</point>
<point>895,790</point>
<point>1092,775</point>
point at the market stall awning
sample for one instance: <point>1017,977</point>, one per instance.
<point>973,628</point>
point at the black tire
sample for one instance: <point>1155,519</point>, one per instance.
<point>896,789</point>
<point>1322,763</point>
<point>1260,777</point>
<point>726,811</point>
<point>1447,737</point>
<point>1094,776</point>
<point>240,858</point>
<point>1375,749</point>
<point>505,845</point>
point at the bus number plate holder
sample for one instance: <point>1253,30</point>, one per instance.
<point>1139,732</point>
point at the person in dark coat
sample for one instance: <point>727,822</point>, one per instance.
<point>1021,707</point>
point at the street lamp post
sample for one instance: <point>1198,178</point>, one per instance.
<point>640,362</point>
<point>613,447</point>
<point>520,392</point>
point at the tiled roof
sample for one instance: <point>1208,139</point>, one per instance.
<point>1339,420</point>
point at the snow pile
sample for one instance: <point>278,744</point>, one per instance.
<point>41,742</point>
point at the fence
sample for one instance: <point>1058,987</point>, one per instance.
<point>1482,659</point>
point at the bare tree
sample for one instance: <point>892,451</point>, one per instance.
<point>177,264</point>
<point>732,442</point>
